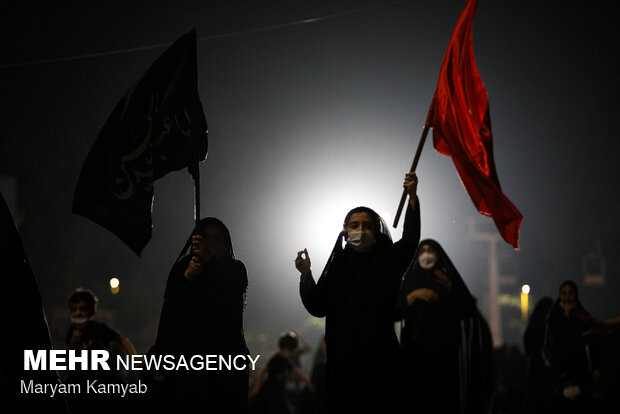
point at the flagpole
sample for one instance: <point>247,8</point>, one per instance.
<point>197,199</point>
<point>414,165</point>
<point>196,171</point>
<point>196,136</point>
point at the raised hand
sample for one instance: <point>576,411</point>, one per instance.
<point>303,263</point>
<point>194,268</point>
<point>411,184</point>
<point>200,248</point>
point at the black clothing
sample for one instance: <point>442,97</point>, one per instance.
<point>95,335</point>
<point>27,331</point>
<point>273,396</point>
<point>447,344</point>
<point>540,381</point>
<point>571,356</point>
<point>204,316</point>
<point>318,377</point>
<point>279,370</point>
<point>357,294</point>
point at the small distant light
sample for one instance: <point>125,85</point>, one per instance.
<point>114,283</point>
<point>525,289</point>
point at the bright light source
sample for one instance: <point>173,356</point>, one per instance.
<point>114,283</point>
<point>525,301</point>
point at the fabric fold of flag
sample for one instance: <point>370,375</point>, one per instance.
<point>459,116</point>
<point>157,127</point>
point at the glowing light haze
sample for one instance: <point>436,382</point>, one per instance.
<point>305,123</point>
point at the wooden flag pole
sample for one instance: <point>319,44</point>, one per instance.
<point>414,165</point>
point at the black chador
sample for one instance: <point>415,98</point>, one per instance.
<point>446,343</point>
<point>204,316</point>
<point>357,294</point>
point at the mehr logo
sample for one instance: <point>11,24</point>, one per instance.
<point>61,360</point>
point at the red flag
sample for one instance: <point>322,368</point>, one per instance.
<point>459,116</point>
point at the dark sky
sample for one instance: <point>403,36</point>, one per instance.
<point>306,122</point>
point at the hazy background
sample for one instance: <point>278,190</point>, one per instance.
<point>305,122</point>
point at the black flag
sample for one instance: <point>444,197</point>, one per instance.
<point>157,127</point>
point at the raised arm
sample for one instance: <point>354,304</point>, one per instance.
<point>313,298</point>
<point>405,248</point>
<point>411,229</point>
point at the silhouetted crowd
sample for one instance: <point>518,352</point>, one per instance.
<point>443,361</point>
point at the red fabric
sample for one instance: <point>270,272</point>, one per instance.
<point>459,116</point>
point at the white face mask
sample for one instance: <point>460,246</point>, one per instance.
<point>79,321</point>
<point>572,392</point>
<point>361,241</point>
<point>427,260</point>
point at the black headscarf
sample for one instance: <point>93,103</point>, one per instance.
<point>574,286</point>
<point>578,313</point>
<point>534,335</point>
<point>564,346</point>
<point>416,277</point>
<point>430,327</point>
<point>382,234</point>
<point>176,303</point>
<point>204,315</point>
<point>382,231</point>
<point>204,223</point>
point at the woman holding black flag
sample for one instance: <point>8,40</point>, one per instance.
<point>203,315</point>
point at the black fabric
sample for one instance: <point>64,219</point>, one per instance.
<point>24,324</point>
<point>94,335</point>
<point>447,344</point>
<point>204,316</point>
<point>273,397</point>
<point>157,127</point>
<point>571,356</point>
<point>279,369</point>
<point>540,381</point>
<point>209,221</point>
<point>357,294</point>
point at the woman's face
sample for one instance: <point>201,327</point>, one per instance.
<point>568,296</point>
<point>360,222</point>
<point>427,257</point>
<point>215,240</point>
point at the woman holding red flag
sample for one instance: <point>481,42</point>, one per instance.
<point>357,294</point>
